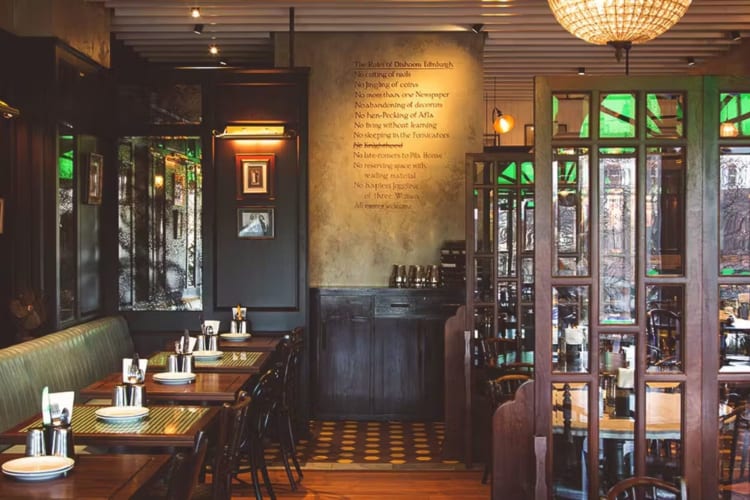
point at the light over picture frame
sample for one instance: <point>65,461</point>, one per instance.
<point>94,184</point>
<point>255,175</point>
<point>257,223</point>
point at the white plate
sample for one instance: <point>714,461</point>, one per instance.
<point>174,378</point>
<point>121,413</point>
<point>235,337</point>
<point>37,468</point>
<point>41,476</point>
<point>207,354</point>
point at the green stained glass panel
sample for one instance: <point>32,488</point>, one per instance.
<point>508,173</point>
<point>617,116</point>
<point>734,114</point>
<point>527,172</point>
<point>664,115</point>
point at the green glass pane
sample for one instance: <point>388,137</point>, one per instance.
<point>664,115</point>
<point>65,165</point>
<point>616,151</point>
<point>567,173</point>
<point>617,116</point>
<point>734,114</point>
<point>508,174</point>
<point>527,172</point>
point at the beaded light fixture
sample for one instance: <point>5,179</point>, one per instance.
<point>619,23</point>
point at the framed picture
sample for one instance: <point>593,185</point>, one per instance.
<point>255,175</point>
<point>256,223</point>
<point>94,188</point>
<point>178,190</point>
<point>528,134</point>
<point>2,214</point>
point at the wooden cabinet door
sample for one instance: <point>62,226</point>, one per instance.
<point>344,357</point>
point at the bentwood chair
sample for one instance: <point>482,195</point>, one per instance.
<point>232,432</point>
<point>285,410</point>
<point>645,487</point>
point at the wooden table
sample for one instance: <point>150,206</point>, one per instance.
<point>207,388</point>
<point>108,476</point>
<point>165,426</point>
<point>258,342</point>
<point>230,362</point>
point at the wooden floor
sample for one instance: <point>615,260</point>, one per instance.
<point>372,485</point>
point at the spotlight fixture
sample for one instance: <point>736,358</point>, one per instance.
<point>223,62</point>
<point>691,61</point>
<point>213,49</point>
<point>477,28</point>
<point>195,12</point>
<point>735,36</point>
<point>581,70</point>
<point>198,29</point>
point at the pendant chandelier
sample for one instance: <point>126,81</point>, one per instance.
<point>619,23</point>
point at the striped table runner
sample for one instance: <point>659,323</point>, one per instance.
<point>160,420</point>
<point>229,359</point>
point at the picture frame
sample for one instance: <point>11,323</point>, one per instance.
<point>255,175</point>
<point>528,134</point>
<point>256,223</point>
<point>178,190</point>
<point>94,184</point>
<point>2,214</point>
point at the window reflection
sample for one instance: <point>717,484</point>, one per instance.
<point>665,218</point>
<point>160,201</point>
<point>734,328</point>
<point>734,222</point>
<point>571,211</point>
<point>734,436</point>
<point>570,338</point>
<point>664,328</point>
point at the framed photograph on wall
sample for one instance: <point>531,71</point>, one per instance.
<point>178,190</point>
<point>256,223</point>
<point>94,185</point>
<point>255,175</point>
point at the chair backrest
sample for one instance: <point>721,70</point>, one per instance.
<point>495,350</point>
<point>265,398</point>
<point>232,433</point>
<point>184,477</point>
<point>645,487</point>
<point>503,388</point>
<point>663,328</point>
<point>518,368</point>
<point>291,349</point>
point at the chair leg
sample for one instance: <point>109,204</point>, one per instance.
<point>292,445</point>
<point>252,455</point>
<point>266,477</point>
<point>285,460</point>
<point>486,473</point>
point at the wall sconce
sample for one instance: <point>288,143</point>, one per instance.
<point>7,111</point>
<point>195,12</point>
<point>255,131</point>
<point>158,181</point>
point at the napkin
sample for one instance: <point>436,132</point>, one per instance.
<point>191,345</point>
<point>61,407</point>
<point>214,324</point>
<point>126,362</point>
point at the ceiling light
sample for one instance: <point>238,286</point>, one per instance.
<point>618,23</point>
<point>691,61</point>
<point>198,29</point>
<point>195,12</point>
<point>502,123</point>
<point>735,36</point>
<point>213,49</point>
<point>581,70</point>
<point>477,28</point>
<point>728,129</point>
<point>223,62</point>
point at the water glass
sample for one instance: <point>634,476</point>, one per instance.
<point>35,443</point>
<point>120,395</point>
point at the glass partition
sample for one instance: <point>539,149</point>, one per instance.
<point>617,116</point>
<point>617,230</point>
<point>734,328</point>
<point>665,211</point>
<point>734,114</point>
<point>665,115</point>
<point>570,324</point>
<point>571,211</point>
<point>570,112</point>
<point>663,444</point>
<point>734,219</point>
<point>68,228</point>
<point>160,207</point>
<point>664,328</point>
<point>570,416</point>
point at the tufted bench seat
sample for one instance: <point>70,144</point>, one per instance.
<point>67,360</point>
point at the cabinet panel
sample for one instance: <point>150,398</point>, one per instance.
<point>398,380</point>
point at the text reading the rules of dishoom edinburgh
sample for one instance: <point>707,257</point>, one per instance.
<point>397,129</point>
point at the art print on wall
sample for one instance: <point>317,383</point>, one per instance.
<point>256,223</point>
<point>94,187</point>
<point>255,175</point>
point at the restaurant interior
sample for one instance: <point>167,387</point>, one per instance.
<point>248,250</point>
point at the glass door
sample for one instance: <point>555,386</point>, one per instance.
<point>618,341</point>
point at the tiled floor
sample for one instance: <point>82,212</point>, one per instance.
<point>372,445</point>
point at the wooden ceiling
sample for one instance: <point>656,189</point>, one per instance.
<point>523,38</point>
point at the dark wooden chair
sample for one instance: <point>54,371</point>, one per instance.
<point>664,333</point>
<point>645,487</point>
<point>286,407</point>
<point>184,479</point>
<point>496,352</point>
<point>232,433</point>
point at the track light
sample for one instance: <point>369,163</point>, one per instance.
<point>691,61</point>
<point>195,12</point>
<point>198,29</point>
<point>223,62</point>
<point>477,28</point>
<point>735,36</point>
<point>213,49</point>
<point>581,70</point>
